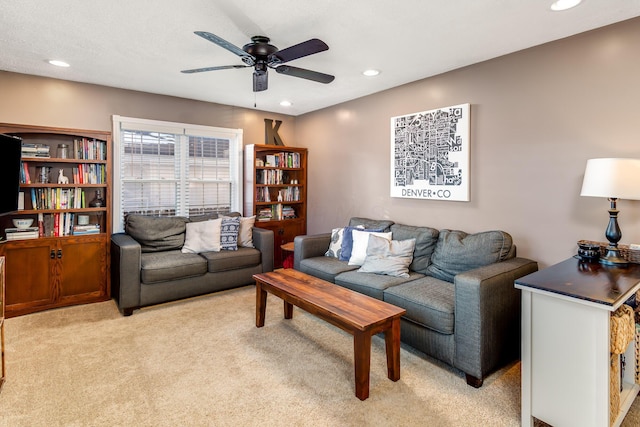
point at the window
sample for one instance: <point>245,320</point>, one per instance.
<point>164,168</point>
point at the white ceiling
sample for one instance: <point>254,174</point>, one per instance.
<point>143,45</point>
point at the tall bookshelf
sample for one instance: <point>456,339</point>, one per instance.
<point>63,258</point>
<point>276,192</point>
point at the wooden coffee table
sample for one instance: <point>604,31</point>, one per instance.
<point>353,312</point>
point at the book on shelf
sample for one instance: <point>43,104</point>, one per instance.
<point>289,194</point>
<point>23,236</point>
<point>89,149</point>
<point>89,173</point>
<point>34,150</point>
<point>86,229</point>
<point>21,233</point>
<point>57,198</point>
<point>264,214</point>
<point>282,160</point>
<point>25,177</point>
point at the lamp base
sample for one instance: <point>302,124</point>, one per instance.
<point>612,258</point>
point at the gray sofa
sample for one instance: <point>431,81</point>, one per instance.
<point>462,306</point>
<point>148,265</point>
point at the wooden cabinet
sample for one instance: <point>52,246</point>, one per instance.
<point>567,366</point>
<point>68,261</point>
<point>276,192</point>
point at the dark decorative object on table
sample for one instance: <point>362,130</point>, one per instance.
<point>588,252</point>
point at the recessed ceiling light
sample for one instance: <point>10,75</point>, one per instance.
<point>286,103</point>
<point>560,5</point>
<point>58,63</point>
<point>371,73</point>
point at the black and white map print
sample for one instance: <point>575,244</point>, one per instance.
<point>430,154</point>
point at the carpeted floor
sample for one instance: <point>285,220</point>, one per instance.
<point>202,362</point>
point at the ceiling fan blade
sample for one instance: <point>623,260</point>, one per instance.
<point>246,58</point>
<point>222,67</point>
<point>298,51</point>
<point>305,74</point>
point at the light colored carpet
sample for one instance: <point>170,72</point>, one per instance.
<point>203,362</point>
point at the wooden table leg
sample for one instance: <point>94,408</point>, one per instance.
<point>392,341</point>
<point>288,310</point>
<point>261,304</point>
<point>362,362</point>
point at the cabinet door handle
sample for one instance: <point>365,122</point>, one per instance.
<point>52,255</point>
<point>59,253</point>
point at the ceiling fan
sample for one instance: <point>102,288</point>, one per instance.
<point>261,55</point>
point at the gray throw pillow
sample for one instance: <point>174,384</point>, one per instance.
<point>390,257</point>
<point>426,240</point>
<point>157,233</point>
<point>373,224</point>
<point>457,252</point>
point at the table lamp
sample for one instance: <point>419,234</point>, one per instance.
<point>614,179</point>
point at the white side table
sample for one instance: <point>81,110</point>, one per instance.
<point>566,310</point>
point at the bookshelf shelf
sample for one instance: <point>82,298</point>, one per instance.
<point>277,195</point>
<point>64,268</point>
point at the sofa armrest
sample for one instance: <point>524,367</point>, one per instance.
<point>263,241</point>
<point>309,246</point>
<point>487,316</point>
<point>125,272</point>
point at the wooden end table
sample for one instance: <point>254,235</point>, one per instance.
<point>353,312</point>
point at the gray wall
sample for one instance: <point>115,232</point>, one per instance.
<point>41,101</point>
<point>536,117</point>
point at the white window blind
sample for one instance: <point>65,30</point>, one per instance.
<point>164,168</point>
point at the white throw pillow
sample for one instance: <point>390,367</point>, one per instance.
<point>360,242</point>
<point>245,235</point>
<point>202,236</point>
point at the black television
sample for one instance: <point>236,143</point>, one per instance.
<point>10,164</point>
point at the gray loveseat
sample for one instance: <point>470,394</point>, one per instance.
<point>462,306</point>
<point>149,266</point>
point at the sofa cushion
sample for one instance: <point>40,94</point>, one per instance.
<point>370,283</point>
<point>229,233</point>
<point>156,267</point>
<point>429,302</point>
<point>390,257</point>
<point>457,251</point>
<point>156,233</point>
<point>426,239</point>
<point>325,268</point>
<point>378,224</point>
<point>360,244</point>
<point>231,260</point>
<point>202,236</point>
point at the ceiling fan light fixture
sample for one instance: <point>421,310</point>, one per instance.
<point>371,72</point>
<point>560,5</point>
<point>58,63</point>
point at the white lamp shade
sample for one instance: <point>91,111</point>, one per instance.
<point>612,178</point>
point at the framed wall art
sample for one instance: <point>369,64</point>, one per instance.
<point>430,154</point>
